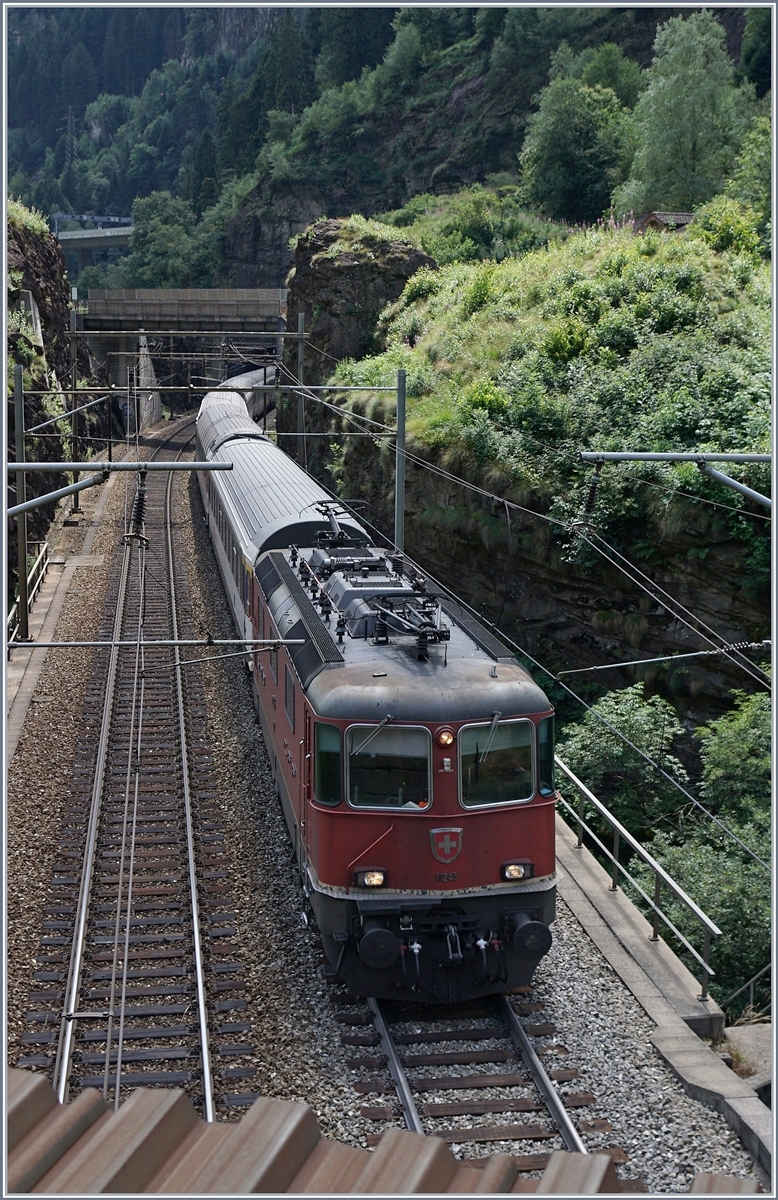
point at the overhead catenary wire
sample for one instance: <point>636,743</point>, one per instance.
<point>745,666</point>
<point>665,598</point>
<point>559,452</point>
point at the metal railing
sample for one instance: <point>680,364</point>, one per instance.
<point>750,988</point>
<point>35,579</point>
<point>661,877</point>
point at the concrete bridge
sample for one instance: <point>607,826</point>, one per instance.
<point>120,324</point>
<point>185,310</point>
<point>82,242</point>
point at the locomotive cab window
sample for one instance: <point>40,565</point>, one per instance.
<point>327,764</point>
<point>389,767</point>
<point>546,756</point>
<point>495,763</point>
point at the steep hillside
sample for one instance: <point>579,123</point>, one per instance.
<point>606,341</point>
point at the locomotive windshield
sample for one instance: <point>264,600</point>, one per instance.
<point>495,763</point>
<point>391,769</point>
<point>546,756</point>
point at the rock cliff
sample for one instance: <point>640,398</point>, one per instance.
<point>345,273</point>
<point>38,340</point>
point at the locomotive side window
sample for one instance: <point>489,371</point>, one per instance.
<point>388,768</point>
<point>495,763</point>
<point>546,756</point>
<point>289,696</point>
<point>274,662</point>
<point>327,772</point>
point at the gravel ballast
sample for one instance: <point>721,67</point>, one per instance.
<point>667,1136</point>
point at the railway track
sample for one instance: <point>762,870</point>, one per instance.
<point>140,976</point>
<point>486,1074</point>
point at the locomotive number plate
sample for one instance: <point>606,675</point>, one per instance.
<point>447,876</point>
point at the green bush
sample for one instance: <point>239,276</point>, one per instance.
<point>633,790</point>
<point>727,225</point>
<point>597,346</point>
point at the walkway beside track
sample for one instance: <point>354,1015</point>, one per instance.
<point>23,670</point>
<point>668,993</point>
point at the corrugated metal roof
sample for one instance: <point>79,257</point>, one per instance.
<point>157,1143</point>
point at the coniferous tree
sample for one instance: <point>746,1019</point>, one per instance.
<point>290,66</point>
<point>689,121</point>
<point>350,39</point>
<point>114,54</point>
<point>202,188</point>
<point>756,58</point>
<point>79,81</point>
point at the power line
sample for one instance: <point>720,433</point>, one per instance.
<point>510,504</point>
<point>665,597</point>
<point>675,492</point>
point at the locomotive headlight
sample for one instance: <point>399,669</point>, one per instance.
<point>444,737</point>
<point>517,870</point>
<point>374,878</point>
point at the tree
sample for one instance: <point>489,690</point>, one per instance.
<point>756,52</point>
<point>202,187</point>
<point>350,39</point>
<point>688,122</point>
<point>608,67</point>
<point>637,794</point>
<point>289,66</point>
<point>161,243</point>
<point>79,81</point>
<point>574,151</point>
<point>751,181</point>
<point>736,757</point>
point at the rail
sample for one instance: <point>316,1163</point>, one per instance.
<point>661,876</point>
<point>750,987</point>
<point>34,581</point>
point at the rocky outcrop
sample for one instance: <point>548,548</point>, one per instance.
<point>257,253</point>
<point>341,280</point>
<point>343,276</point>
<point>36,264</point>
<point>38,290</point>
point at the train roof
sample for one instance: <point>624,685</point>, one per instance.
<point>224,420</point>
<point>272,497</point>
<point>468,676</point>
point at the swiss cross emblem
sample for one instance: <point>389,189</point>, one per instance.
<point>446,844</point>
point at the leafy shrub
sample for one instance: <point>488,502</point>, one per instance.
<point>634,791</point>
<point>450,247</point>
<point>479,291</point>
<point>421,285</point>
<point>565,340</point>
<point>486,395</point>
<point>26,218</point>
<point>727,225</point>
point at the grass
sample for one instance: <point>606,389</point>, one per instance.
<point>26,218</point>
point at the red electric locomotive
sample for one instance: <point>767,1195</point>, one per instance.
<point>412,755</point>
